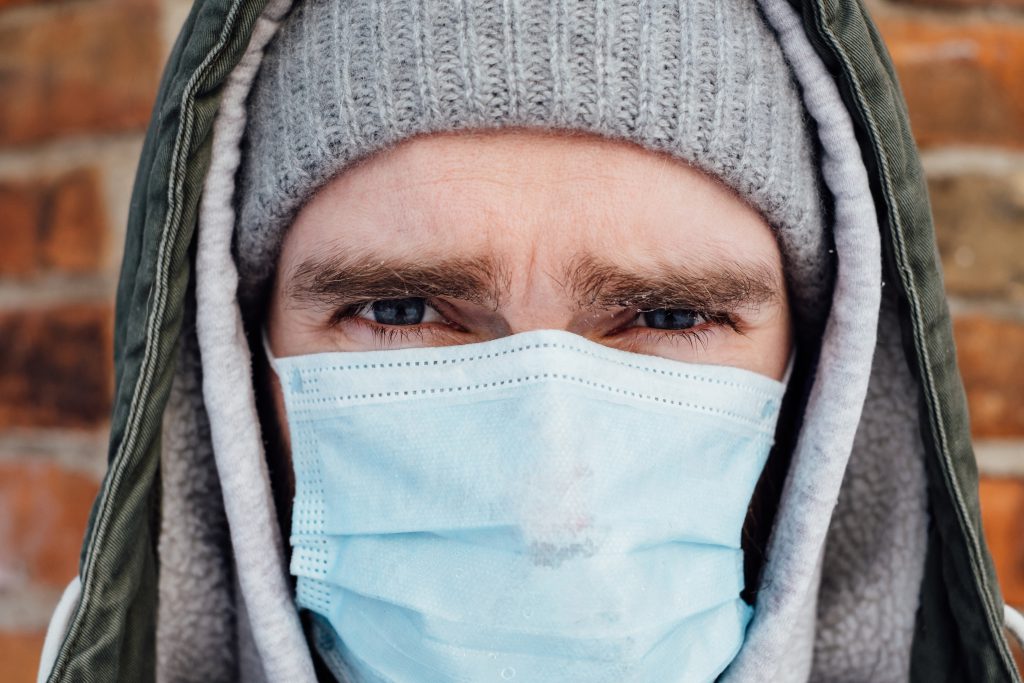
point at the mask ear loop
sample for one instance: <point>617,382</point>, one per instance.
<point>271,358</point>
<point>785,376</point>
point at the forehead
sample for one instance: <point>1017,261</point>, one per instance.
<point>528,197</point>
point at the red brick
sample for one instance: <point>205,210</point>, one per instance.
<point>978,219</point>
<point>74,228</point>
<point>962,79</point>
<point>1002,513</point>
<point>53,224</point>
<point>4,4</point>
<point>46,509</point>
<point>991,357</point>
<point>85,67</point>
<point>55,367</point>
<point>20,208</point>
<point>19,656</point>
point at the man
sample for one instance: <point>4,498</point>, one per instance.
<point>490,236</point>
<point>530,290</point>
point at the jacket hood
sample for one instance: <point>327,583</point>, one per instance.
<point>876,569</point>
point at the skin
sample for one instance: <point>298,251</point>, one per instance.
<point>530,230</point>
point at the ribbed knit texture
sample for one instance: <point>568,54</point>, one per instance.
<point>703,80</point>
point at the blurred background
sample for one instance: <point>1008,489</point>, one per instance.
<point>77,81</point>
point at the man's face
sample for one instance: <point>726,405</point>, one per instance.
<point>455,239</point>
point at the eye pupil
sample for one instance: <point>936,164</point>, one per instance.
<point>670,318</point>
<point>399,311</point>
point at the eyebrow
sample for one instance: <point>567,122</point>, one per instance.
<point>362,278</point>
<point>719,285</point>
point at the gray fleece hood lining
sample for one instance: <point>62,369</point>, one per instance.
<point>229,396</point>
<point>856,624</point>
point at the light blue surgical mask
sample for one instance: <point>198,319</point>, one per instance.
<point>535,508</point>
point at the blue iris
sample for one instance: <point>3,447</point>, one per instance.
<point>399,311</point>
<point>671,318</point>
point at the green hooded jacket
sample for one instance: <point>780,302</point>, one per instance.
<point>109,628</point>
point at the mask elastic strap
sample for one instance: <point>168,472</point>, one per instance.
<point>789,367</point>
<point>271,358</point>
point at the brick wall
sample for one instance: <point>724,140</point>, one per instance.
<point>77,81</point>
<point>77,78</point>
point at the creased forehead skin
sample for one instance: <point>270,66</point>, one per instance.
<point>704,81</point>
<point>511,230</point>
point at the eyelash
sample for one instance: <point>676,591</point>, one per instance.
<point>694,336</point>
<point>386,335</point>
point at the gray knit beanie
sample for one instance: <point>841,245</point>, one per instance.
<point>703,80</point>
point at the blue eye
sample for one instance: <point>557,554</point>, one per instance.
<point>672,318</point>
<point>399,311</point>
